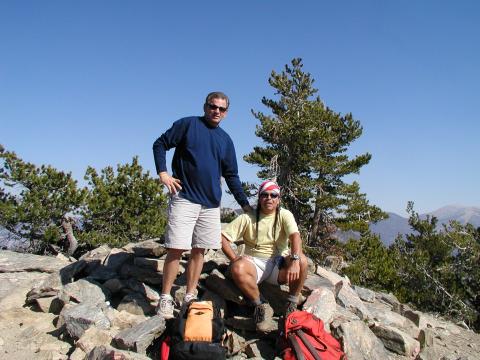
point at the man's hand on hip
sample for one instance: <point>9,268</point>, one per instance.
<point>173,185</point>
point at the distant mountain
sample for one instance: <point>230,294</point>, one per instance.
<point>389,229</point>
<point>458,213</point>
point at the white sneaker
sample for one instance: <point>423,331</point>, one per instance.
<point>189,298</point>
<point>165,306</point>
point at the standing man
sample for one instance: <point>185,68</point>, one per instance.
<point>203,154</point>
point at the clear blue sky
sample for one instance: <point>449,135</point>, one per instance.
<point>96,82</point>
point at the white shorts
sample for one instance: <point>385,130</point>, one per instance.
<point>267,269</point>
<point>192,225</point>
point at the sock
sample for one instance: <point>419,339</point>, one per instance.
<point>257,302</point>
<point>167,296</point>
<point>293,298</point>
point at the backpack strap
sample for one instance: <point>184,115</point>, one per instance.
<point>309,345</point>
<point>296,346</point>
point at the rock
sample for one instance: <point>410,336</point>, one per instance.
<point>416,317</point>
<point>321,303</point>
<point>122,319</point>
<point>116,258</point>
<point>397,341</point>
<point>146,248</point>
<point>241,323</point>
<point>11,261</point>
<point>365,294</point>
<point>95,258</point>
<point>93,337</point>
<point>276,296</point>
<point>426,338</point>
<point>102,274</point>
<point>78,354</point>
<point>152,264</point>
<point>334,263</point>
<point>150,294</point>
<point>106,352</point>
<point>144,275</point>
<point>359,342</point>
<point>139,337</point>
<point>136,304</point>
<point>14,287</point>
<point>79,318</point>
<point>314,281</point>
<point>349,299</point>
<point>44,304</point>
<point>260,349</point>
<point>389,299</point>
<point>85,291</point>
<point>217,283</point>
<point>234,342</point>
<point>332,277</point>
<point>115,285</point>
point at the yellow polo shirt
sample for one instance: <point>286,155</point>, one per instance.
<point>267,244</point>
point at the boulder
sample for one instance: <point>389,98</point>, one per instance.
<point>79,318</point>
<point>141,336</point>
<point>321,303</point>
<point>396,340</point>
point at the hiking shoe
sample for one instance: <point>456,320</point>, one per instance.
<point>291,307</point>
<point>263,318</point>
<point>165,306</point>
<point>189,298</point>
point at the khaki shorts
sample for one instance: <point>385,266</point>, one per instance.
<point>267,269</point>
<point>192,225</point>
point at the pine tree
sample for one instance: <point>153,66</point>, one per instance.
<point>36,202</point>
<point>438,267</point>
<point>305,151</point>
<point>123,206</point>
<point>370,263</point>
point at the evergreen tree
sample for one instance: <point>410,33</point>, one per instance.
<point>438,268</point>
<point>35,202</point>
<point>123,206</point>
<point>305,151</point>
<point>370,263</point>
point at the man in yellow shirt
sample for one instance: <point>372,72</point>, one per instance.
<point>268,235</point>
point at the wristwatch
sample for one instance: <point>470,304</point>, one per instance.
<point>295,257</point>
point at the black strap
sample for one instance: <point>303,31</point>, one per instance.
<point>309,345</point>
<point>296,346</point>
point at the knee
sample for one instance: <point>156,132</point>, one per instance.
<point>174,254</point>
<point>238,270</point>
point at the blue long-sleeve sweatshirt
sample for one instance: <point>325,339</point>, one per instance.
<point>202,155</point>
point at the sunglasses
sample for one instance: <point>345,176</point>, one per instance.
<point>266,195</point>
<point>215,107</point>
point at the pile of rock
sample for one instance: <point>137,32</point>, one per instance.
<point>103,307</point>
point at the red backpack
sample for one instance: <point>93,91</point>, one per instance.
<point>305,338</point>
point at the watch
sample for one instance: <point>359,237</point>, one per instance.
<point>295,257</point>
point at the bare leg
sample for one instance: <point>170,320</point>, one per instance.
<point>244,275</point>
<point>194,269</point>
<point>170,269</point>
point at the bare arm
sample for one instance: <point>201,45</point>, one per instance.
<point>227,249</point>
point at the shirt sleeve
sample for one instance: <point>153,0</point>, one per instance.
<point>234,230</point>
<point>288,222</point>
<point>230,174</point>
<point>169,139</point>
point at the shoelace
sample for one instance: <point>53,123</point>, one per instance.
<point>259,314</point>
<point>166,303</point>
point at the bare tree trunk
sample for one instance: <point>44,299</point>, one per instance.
<point>67,222</point>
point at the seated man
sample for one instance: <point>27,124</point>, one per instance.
<point>266,234</point>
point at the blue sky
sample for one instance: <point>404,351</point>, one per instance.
<point>96,82</point>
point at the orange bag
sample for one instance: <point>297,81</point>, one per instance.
<point>198,326</point>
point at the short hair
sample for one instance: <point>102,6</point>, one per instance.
<point>217,95</point>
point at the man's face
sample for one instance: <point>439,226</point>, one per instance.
<point>215,111</point>
<point>269,202</point>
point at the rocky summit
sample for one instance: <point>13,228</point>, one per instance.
<point>102,306</point>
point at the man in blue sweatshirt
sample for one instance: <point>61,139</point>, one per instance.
<point>203,154</point>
